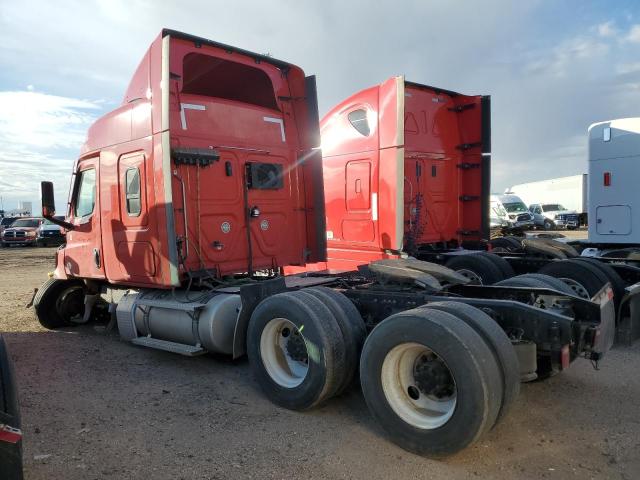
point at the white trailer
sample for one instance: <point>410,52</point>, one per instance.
<point>614,163</point>
<point>570,192</point>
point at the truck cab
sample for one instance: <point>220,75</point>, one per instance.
<point>614,156</point>
<point>195,174</point>
<point>406,166</point>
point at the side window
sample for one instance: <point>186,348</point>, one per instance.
<point>532,208</point>
<point>132,191</point>
<point>358,119</point>
<point>538,210</point>
<point>86,196</point>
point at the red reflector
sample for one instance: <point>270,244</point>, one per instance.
<point>9,434</point>
<point>565,358</point>
<point>607,179</point>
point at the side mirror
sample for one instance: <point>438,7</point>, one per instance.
<point>48,202</point>
<point>49,205</point>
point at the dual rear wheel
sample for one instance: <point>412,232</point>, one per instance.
<point>436,377</point>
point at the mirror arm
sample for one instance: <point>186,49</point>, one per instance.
<point>49,216</point>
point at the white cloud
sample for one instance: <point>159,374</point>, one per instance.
<point>607,29</point>
<point>40,135</point>
<point>562,59</point>
<point>626,68</point>
<point>38,120</point>
<point>634,34</point>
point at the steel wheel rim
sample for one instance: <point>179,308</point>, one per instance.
<point>577,287</point>
<point>398,379</point>
<point>283,369</point>
<point>471,275</point>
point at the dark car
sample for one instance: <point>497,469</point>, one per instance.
<point>10,433</point>
<point>6,222</point>
<point>50,234</point>
<point>23,231</point>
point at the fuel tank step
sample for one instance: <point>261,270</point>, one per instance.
<point>170,304</point>
<point>167,346</point>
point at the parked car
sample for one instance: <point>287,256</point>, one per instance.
<point>24,231</point>
<point>6,222</point>
<point>50,234</point>
<point>554,215</point>
<point>510,209</point>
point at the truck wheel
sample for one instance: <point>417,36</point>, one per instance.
<point>296,350</point>
<point>548,225</point>
<point>508,243</point>
<point>58,301</point>
<point>477,268</point>
<point>497,340</point>
<point>567,249</point>
<point>430,381</point>
<point>501,263</point>
<point>539,281</point>
<point>582,277</point>
<point>617,284</point>
<point>351,325</point>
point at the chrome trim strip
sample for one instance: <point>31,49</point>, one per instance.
<point>172,248</point>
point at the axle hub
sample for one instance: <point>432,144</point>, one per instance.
<point>432,377</point>
<point>296,348</point>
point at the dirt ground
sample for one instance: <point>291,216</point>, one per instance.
<point>94,407</point>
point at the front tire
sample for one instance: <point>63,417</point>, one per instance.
<point>431,381</point>
<point>58,301</point>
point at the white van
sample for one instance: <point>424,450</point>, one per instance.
<point>510,211</point>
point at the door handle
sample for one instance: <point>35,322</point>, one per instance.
<point>96,257</point>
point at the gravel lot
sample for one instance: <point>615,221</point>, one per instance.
<point>96,407</point>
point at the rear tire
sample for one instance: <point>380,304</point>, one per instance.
<point>582,277</point>
<point>545,281</point>
<point>478,268</point>
<point>447,409</point>
<point>498,342</point>
<point>617,284</point>
<point>57,301</point>
<point>351,325</point>
<point>508,243</point>
<point>296,350</point>
<point>501,263</point>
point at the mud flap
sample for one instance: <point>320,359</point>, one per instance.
<point>628,325</point>
<point>607,328</point>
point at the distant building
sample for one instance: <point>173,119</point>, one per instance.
<point>24,209</point>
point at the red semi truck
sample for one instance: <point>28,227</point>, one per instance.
<point>190,200</point>
<point>407,174</point>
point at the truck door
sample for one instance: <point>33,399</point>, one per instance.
<point>83,253</point>
<point>269,206</point>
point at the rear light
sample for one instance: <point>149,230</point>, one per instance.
<point>9,434</point>
<point>565,357</point>
<point>607,179</point>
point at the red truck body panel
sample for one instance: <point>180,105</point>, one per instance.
<point>165,208</point>
<point>406,166</point>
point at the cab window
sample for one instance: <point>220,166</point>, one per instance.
<point>86,196</point>
<point>132,192</point>
<point>359,121</point>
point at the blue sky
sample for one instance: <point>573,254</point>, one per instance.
<point>552,68</point>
